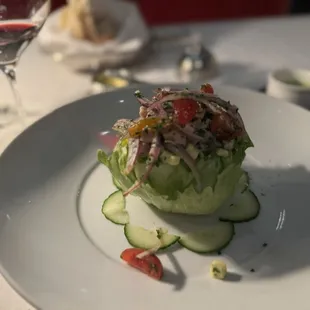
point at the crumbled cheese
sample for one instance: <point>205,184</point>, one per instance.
<point>218,269</point>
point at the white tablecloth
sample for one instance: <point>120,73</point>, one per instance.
<point>246,51</point>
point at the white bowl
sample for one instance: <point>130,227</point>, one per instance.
<point>129,45</point>
<point>290,85</point>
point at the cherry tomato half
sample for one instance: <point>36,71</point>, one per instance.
<point>207,88</point>
<point>223,128</point>
<point>150,264</point>
<point>185,110</point>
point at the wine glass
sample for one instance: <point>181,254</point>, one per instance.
<point>20,22</point>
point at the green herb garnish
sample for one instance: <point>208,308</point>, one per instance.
<point>138,94</point>
<point>160,126</point>
<point>167,105</point>
<point>142,159</point>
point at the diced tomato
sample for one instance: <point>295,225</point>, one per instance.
<point>108,139</point>
<point>222,126</point>
<point>185,110</point>
<point>207,88</point>
<point>150,264</point>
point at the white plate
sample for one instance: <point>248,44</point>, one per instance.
<point>60,253</point>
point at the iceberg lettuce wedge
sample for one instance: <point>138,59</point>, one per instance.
<point>178,194</point>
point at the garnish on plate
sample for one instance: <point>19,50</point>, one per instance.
<point>148,263</point>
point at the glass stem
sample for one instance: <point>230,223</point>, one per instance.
<point>10,73</point>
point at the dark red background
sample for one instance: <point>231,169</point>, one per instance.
<point>19,9</point>
<point>173,11</point>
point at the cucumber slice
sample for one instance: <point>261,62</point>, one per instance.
<point>245,208</point>
<point>142,238</point>
<point>243,183</point>
<point>209,240</point>
<point>113,209</point>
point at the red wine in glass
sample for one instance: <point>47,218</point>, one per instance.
<point>14,37</point>
<point>20,22</point>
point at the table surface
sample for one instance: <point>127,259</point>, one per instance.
<point>246,51</point>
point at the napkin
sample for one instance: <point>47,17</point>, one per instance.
<point>100,32</point>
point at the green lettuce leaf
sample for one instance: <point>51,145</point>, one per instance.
<point>102,157</point>
<point>172,188</point>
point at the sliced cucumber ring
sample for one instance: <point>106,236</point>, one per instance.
<point>113,208</point>
<point>243,183</point>
<point>245,208</point>
<point>142,238</point>
<point>211,239</point>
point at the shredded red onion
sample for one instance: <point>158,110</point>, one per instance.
<point>175,136</point>
<point>212,102</point>
<point>144,101</point>
<point>153,157</point>
<point>177,96</point>
<point>189,134</point>
<point>134,146</point>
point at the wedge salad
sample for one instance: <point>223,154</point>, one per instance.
<point>194,141</point>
